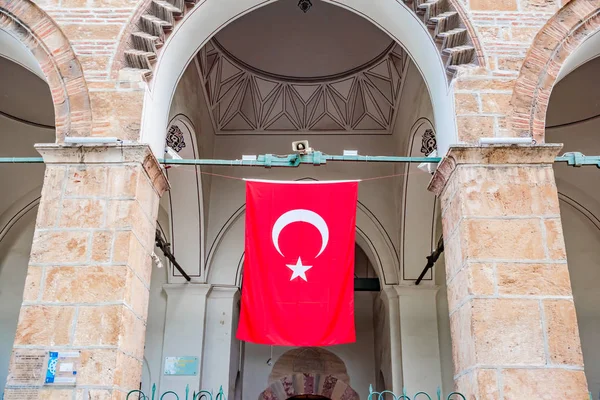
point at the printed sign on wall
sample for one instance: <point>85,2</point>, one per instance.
<point>62,367</point>
<point>181,365</point>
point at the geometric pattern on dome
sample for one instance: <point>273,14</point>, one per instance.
<point>241,99</point>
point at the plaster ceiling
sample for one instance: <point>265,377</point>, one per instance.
<point>279,39</point>
<point>24,95</point>
<point>576,97</point>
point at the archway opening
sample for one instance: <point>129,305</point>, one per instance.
<point>573,119</point>
<point>274,76</point>
<point>26,118</point>
<point>394,18</point>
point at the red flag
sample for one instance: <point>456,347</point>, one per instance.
<point>298,285</point>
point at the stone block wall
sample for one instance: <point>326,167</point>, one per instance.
<point>512,317</point>
<point>89,270</point>
<point>99,31</point>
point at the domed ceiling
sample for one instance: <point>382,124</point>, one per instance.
<point>281,40</point>
<point>280,70</point>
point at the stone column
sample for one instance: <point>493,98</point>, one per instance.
<point>89,270</point>
<point>392,303</point>
<point>420,344</point>
<point>185,324</point>
<point>221,349</point>
<point>513,323</point>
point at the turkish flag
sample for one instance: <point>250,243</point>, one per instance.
<point>298,285</point>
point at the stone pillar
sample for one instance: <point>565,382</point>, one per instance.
<point>420,344</point>
<point>221,356</point>
<point>513,323</point>
<point>89,270</point>
<point>392,304</point>
<point>184,331</point>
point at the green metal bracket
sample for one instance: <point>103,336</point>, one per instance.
<point>576,159</point>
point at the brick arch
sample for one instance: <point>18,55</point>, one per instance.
<point>64,75</point>
<point>328,386</point>
<point>561,35</point>
<point>153,22</point>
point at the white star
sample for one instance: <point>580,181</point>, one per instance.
<point>299,270</point>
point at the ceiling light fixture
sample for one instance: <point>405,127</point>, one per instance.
<point>304,5</point>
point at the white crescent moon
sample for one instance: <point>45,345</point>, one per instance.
<point>299,215</point>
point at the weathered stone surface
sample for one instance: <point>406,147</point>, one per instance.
<point>524,33</point>
<point>101,394</point>
<point>495,103</point>
<point>463,344</point>
<point>123,180</point>
<point>494,5</point>
<point>508,191</point>
<point>454,259</point>
<point>98,326</point>
<point>45,325</point>
<point>500,223</point>
<point>82,31</point>
<point>51,193</point>
<point>111,325</point>
<point>487,383</point>
<point>504,239</point>
<point>98,3</point>
<point>508,331</point>
<point>93,253</point>
<point>555,239</point>
<point>87,180</point>
<point>82,213</point>
<point>59,247</point>
<point>129,251</point>
<point>32,283</point>
<point>128,214</point>
<point>473,127</point>
<point>539,5</point>
<point>473,280</point>
<point>98,367</point>
<point>558,383</point>
<point>85,284</point>
<point>562,332</point>
<point>534,279</point>
<point>102,242</point>
<point>466,103</point>
<point>121,112</point>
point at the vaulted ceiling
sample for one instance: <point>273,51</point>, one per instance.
<point>243,98</point>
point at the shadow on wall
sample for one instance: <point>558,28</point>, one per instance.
<point>15,247</point>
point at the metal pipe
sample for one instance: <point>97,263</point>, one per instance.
<point>91,139</point>
<point>317,158</point>
<point>506,140</point>
<point>21,160</point>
